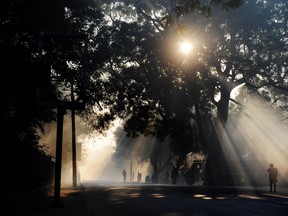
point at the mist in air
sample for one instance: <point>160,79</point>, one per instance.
<point>95,152</point>
<point>257,133</point>
<point>99,163</point>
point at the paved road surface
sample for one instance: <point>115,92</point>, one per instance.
<point>109,199</point>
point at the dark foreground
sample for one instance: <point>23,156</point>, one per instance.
<point>109,199</point>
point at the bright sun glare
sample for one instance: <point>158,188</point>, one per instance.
<point>185,47</point>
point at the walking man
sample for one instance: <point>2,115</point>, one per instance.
<point>273,173</point>
<point>124,175</point>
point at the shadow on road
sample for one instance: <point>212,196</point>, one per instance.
<point>111,198</point>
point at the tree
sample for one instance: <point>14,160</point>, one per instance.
<point>220,67</point>
<point>134,76</point>
<point>127,74</point>
<point>227,58</point>
<point>29,41</point>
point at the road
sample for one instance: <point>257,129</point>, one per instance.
<point>109,199</point>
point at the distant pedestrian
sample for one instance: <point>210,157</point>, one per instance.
<point>139,177</point>
<point>273,173</point>
<point>153,178</point>
<point>147,179</point>
<point>124,175</point>
<point>174,175</point>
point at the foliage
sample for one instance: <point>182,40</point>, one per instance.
<point>119,58</point>
<point>31,35</point>
<point>29,41</point>
<point>205,7</point>
<point>225,44</point>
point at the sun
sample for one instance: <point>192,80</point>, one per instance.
<point>185,47</point>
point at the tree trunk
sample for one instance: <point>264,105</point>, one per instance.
<point>216,158</point>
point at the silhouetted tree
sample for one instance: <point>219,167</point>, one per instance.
<point>220,67</point>
<point>37,42</point>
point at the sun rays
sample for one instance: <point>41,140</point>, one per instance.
<point>254,139</point>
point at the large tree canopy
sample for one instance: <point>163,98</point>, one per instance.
<point>122,60</point>
<point>37,42</point>
<point>220,63</point>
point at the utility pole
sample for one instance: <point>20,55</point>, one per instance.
<point>61,107</point>
<point>59,142</point>
<point>131,169</point>
<point>74,165</point>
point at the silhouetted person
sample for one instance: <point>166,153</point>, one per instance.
<point>153,178</point>
<point>139,177</point>
<point>273,173</point>
<point>124,175</point>
<point>174,175</point>
<point>147,179</point>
